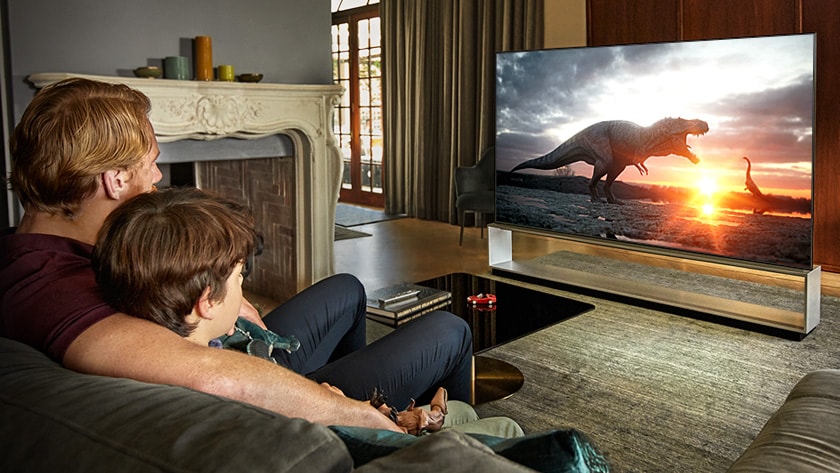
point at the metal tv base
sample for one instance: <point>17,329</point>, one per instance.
<point>793,307</point>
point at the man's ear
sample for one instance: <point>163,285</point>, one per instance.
<point>204,307</point>
<point>115,182</point>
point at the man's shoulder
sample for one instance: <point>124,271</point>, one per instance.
<point>31,258</point>
<point>49,292</point>
<point>17,244</point>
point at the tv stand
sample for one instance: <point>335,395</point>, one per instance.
<point>781,298</point>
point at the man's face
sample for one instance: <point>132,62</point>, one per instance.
<point>146,174</point>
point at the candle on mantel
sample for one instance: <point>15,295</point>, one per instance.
<point>203,58</point>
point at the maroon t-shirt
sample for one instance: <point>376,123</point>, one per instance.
<point>48,291</point>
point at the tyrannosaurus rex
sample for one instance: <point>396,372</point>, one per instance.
<point>610,146</point>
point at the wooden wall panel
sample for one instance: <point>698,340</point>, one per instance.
<point>823,18</point>
<point>629,21</point>
<point>637,21</point>
<point>707,19</point>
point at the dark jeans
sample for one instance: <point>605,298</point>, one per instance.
<point>431,351</point>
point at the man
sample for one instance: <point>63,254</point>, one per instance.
<point>84,147</point>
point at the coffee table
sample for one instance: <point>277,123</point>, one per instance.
<point>518,311</point>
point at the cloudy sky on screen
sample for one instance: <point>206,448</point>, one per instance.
<point>756,94</point>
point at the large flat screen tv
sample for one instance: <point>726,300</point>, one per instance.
<point>700,148</point>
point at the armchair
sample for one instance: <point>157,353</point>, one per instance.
<point>475,190</point>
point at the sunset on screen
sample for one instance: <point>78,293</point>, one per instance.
<point>727,84</point>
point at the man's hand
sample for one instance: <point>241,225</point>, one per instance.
<point>249,312</point>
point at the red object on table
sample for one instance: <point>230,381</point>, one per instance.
<point>482,299</point>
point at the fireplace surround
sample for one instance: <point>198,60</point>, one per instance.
<point>297,194</point>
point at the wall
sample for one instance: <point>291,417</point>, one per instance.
<point>287,40</point>
<point>7,207</point>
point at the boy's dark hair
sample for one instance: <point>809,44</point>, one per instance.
<point>159,251</point>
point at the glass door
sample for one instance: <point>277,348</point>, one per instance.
<point>357,65</point>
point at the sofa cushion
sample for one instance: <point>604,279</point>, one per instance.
<point>449,451</point>
<point>801,436</point>
<point>54,419</point>
<point>562,450</point>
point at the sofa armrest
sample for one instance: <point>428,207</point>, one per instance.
<point>54,419</point>
<point>804,434</point>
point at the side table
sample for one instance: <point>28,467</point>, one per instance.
<point>518,312</point>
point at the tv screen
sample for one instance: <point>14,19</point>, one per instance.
<point>697,147</point>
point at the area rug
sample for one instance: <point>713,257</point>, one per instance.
<point>348,215</point>
<point>342,233</point>
<point>656,391</point>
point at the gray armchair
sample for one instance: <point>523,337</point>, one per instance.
<point>475,190</point>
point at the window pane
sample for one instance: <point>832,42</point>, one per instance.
<point>344,37</point>
<point>345,97</point>
<point>336,71</point>
<point>344,119</point>
<point>364,34</point>
<point>376,92</point>
<point>334,31</point>
<point>375,62</point>
<point>364,92</point>
<point>364,113</point>
<point>374,32</point>
<point>364,64</point>
<point>343,66</point>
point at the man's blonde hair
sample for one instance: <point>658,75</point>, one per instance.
<point>71,132</point>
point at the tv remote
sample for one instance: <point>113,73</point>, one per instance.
<point>399,297</point>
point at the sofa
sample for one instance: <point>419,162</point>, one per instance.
<point>55,419</point>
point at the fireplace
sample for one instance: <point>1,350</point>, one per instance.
<point>293,192</point>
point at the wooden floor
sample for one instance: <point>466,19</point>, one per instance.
<point>410,250</point>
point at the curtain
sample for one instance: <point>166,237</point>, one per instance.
<point>439,92</point>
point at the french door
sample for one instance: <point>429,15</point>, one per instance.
<point>357,65</point>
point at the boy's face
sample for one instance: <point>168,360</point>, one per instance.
<point>227,310</point>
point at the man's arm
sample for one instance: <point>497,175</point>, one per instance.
<point>128,347</point>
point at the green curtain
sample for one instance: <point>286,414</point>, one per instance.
<point>439,92</point>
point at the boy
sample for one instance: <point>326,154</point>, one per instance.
<point>177,256</point>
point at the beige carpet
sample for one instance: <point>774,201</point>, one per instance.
<point>659,392</point>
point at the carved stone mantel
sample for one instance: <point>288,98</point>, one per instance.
<point>211,110</point>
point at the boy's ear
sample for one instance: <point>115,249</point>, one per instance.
<point>115,183</point>
<point>204,307</point>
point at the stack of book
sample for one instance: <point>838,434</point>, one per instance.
<point>397,304</point>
